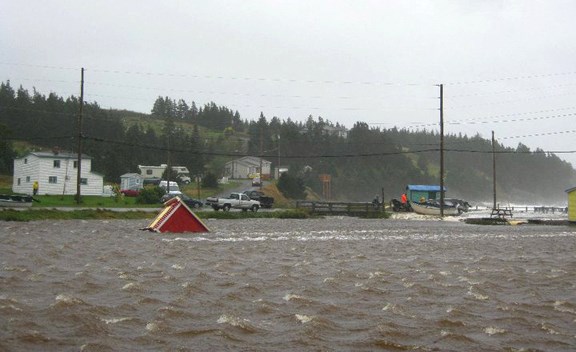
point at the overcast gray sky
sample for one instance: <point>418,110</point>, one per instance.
<point>507,66</point>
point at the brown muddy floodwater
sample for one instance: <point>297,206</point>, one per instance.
<point>334,284</point>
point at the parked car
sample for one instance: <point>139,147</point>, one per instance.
<point>265,201</point>
<point>190,202</point>
<point>154,181</point>
<point>256,181</point>
<point>184,179</point>
<point>130,192</point>
<point>173,186</point>
<point>235,201</point>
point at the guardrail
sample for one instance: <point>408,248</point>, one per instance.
<point>349,208</point>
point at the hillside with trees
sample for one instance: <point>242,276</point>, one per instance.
<point>204,138</point>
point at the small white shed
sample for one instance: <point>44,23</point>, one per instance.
<point>131,181</point>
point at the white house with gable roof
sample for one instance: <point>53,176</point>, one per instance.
<point>247,166</point>
<point>56,173</point>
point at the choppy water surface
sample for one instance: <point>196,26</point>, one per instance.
<point>335,284</point>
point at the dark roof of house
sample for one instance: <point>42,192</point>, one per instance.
<point>63,155</point>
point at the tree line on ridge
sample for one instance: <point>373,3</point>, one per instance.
<point>361,161</point>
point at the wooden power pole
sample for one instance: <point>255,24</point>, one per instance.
<point>261,152</point>
<point>441,150</point>
<point>79,175</point>
<point>493,170</point>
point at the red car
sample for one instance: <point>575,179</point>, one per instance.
<point>130,192</point>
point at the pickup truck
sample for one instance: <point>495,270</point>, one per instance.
<point>234,201</point>
<point>265,201</point>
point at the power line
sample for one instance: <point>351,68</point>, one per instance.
<point>213,92</point>
<point>38,138</point>
<point>39,66</point>
<point>513,78</point>
<point>540,134</point>
<point>511,91</point>
<point>260,79</point>
<point>514,120</point>
<point>457,122</point>
<point>343,155</point>
<point>309,156</point>
<point>43,80</point>
<point>474,121</point>
<point>511,101</point>
<point>247,78</point>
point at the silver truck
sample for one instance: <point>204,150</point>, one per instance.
<point>234,201</point>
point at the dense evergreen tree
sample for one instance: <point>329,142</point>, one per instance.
<point>7,153</point>
<point>292,186</point>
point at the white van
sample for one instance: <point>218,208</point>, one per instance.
<point>174,189</point>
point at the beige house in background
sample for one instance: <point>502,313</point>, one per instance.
<point>246,167</point>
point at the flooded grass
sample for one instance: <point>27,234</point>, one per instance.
<point>96,214</point>
<point>83,214</point>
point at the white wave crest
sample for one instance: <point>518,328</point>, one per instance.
<point>560,306</point>
<point>548,329</point>
<point>65,299</point>
<point>232,320</point>
<point>132,286</point>
<point>115,320</point>
<point>153,326</point>
<point>290,296</point>
<point>491,330</point>
<point>303,318</point>
<point>477,295</point>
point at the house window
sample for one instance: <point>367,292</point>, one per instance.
<point>25,160</point>
<point>56,164</point>
<point>52,179</point>
<point>27,179</point>
<point>83,181</point>
<point>18,181</point>
<point>75,164</point>
<point>148,172</point>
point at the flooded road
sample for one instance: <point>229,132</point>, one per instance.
<point>334,284</point>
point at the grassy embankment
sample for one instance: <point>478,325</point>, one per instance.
<point>56,201</point>
<point>100,207</point>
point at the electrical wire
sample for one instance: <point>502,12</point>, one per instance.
<point>540,134</point>
<point>512,78</point>
<point>343,155</point>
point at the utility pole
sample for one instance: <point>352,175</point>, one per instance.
<point>383,204</point>
<point>493,170</point>
<point>441,151</point>
<point>169,165</point>
<point>278,167</point>
<point>261,152</point>
<point>79,174</point>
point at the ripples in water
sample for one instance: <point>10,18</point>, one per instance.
<point>276,285</point>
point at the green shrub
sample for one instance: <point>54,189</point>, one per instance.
<point>210,181</point>
<point>150,195</point>
<point>291,186</point>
